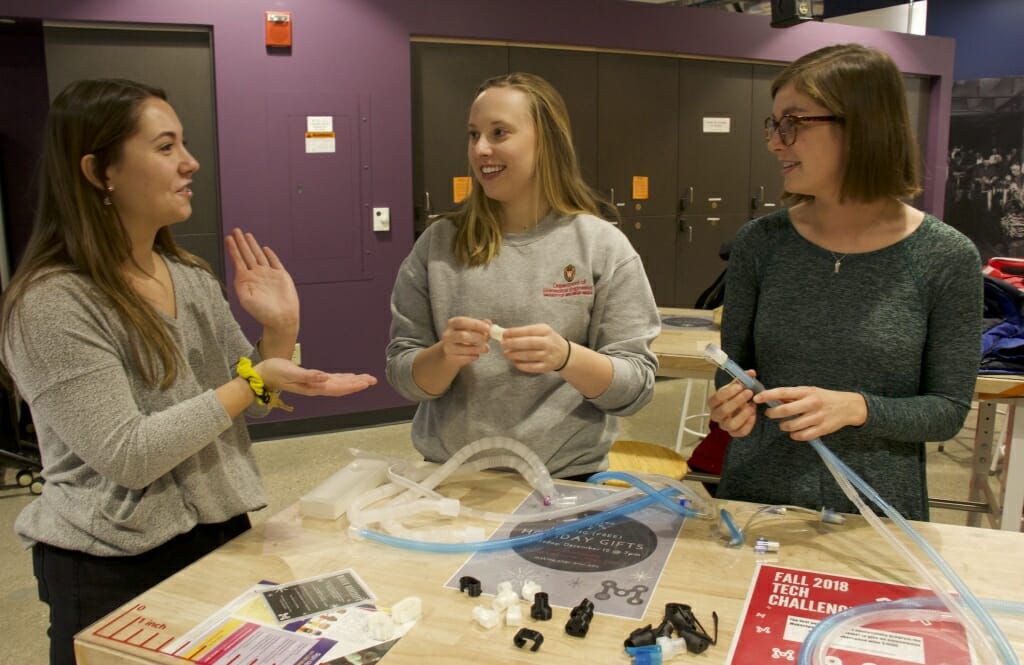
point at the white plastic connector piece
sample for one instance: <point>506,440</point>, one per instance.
<point>514,615</point>
<point>530,588</point>
<point>504,586</point>
<point>497,332</point>
<point>505,599</point>
<point>332,497</point>
<point>765,546</point>
<point>830,516</point>
<point>380,626</point>
<point>448,507</point>
<point>408,609</point>
<point>715,355</point>
<point>671,646</point>
<point>485,616</point>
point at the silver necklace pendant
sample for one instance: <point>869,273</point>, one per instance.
<point>838,262</point>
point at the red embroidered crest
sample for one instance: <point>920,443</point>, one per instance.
<point>572,286</point>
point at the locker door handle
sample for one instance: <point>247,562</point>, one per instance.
<point>758,201</point>
<point>687,228</point>
<point>684,203</point>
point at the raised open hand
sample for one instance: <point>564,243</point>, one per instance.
<point>264,288</point>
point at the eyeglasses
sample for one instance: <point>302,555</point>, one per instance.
<point>787,125</point>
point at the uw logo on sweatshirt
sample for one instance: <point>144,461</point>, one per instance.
<point>570,286</point>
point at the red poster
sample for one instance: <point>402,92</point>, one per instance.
<point>784,604</point>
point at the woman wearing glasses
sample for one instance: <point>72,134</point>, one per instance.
<point>860,313</point>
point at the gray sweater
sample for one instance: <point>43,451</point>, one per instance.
<point>128,466</point>
<point>579,275</point>
<point>900,325</point>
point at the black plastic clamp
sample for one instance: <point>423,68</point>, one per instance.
<point>470,585</point>
<point>642,637</point>
<point>528,634</point>
<point>541,610</point>
<point>688,627</point>
<point>579,619</point>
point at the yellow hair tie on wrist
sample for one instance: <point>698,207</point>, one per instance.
<point>271,399</point>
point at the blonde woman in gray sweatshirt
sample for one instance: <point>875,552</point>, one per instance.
<point>526,252</point>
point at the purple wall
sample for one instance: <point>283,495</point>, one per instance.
<point>362,46</point>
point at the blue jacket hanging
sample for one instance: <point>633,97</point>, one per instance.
<point>1002,343</point>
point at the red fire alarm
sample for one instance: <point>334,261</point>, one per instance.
<point>279,29</point>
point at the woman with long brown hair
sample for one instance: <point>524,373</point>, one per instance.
<point>135,371</point>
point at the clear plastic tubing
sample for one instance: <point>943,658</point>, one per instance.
<point>360,515</point>
<point>540,474</point>
<point>989,639</point>
<point>925,609</point>
<point>507,543</point>
<point>549,514</point>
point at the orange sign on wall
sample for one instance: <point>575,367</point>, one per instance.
<point>640,191</point>
<point>460,188</point>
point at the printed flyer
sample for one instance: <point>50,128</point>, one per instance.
<point>616,563</point>
<point>785,604</point>
<point>327,623</point>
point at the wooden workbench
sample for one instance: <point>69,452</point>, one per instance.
<point>700,572</point>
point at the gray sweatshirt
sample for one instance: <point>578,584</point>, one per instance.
<point>128,466</point>
<point>900,325</point>
<point>581,276</point>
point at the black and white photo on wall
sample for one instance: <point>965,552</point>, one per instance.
<point>985,185</point>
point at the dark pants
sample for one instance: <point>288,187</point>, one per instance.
<point>81,588</point>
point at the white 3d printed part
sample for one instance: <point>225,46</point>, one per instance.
<point>331,498</point>
<point>486,617</point>
<point>407,609</point>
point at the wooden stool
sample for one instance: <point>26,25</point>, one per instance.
<point>643,457</point>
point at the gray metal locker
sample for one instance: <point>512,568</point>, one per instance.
<point>444,82</point>
<point>637,152</point>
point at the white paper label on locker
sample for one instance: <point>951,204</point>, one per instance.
<point>715,125</point>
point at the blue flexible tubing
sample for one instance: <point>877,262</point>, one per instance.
<point>674,506</point>
<point>736,537</point>
<point>714,354</point>
<point>519,541</point>
<point>820,637</point>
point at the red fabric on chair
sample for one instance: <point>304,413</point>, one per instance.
<point>1008,269</point>
<point>709,454</point>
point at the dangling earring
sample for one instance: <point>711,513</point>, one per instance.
<point>106,199</point>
